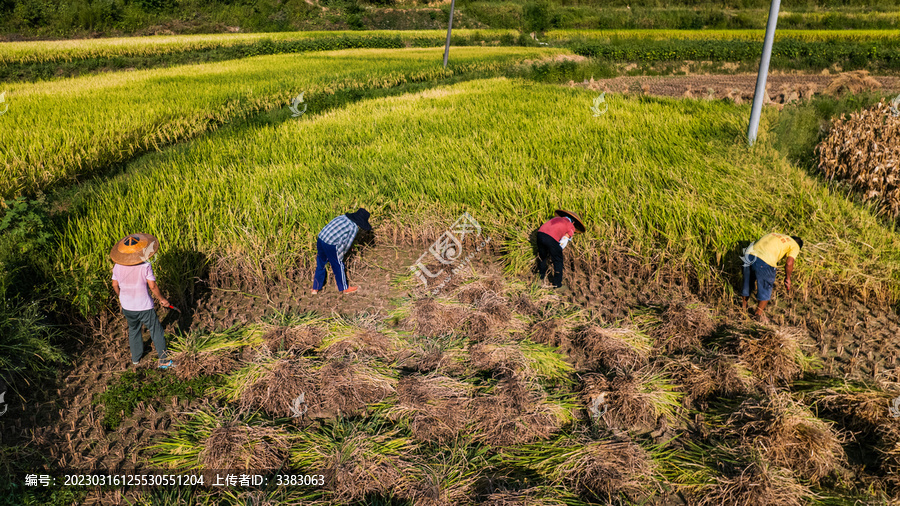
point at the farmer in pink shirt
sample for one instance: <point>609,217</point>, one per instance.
<point>552,237</point>
<point>132,276</point>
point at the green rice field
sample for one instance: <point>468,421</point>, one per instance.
<point>641,381</point>
<point>64,130</point>
<point>657,174</point>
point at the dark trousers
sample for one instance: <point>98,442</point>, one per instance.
<point>760,275</point>
<point>327,254</point>
<point>136,321</point>
<point>550,250</point>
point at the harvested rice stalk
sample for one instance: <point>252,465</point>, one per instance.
<point>599,470</point>
<point>555,331</point>
<point>549,332</point>
<point>434,406</point>
<point>223,439</point>
<point>207,354</point>
<point>431,318</point>
<point>446,354</point>
<point>353,342</point>
<point>358,459</point>
<point>867,412</point>
<point>860,410</point>
<point>787,434</point>
<point>450,476</point>
<point>192,364</point>
<point>237,383</point>
<point>890,459</point>
<point>534,496</point>
<point>545,364</point>
<point>240,446</point>
<point>473,292</point>
<point>776,355</point>
<point>281,382</point>
<point>532,361</point>
<point>612,348</point>
<point>346,387</point>
<point>491,316</point>
<point>718,375</point>
<point>639,400</point>
<point>501,359</point>
<point>516,412</point>
<point>339,387</point>
<point>297,339</point>
<point>481,326</point>
<point>524,305</point>
<point>758,484</point>
<point>853,82</point>
<point>684,326</point>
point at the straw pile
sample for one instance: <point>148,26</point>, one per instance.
<point>864,151</point>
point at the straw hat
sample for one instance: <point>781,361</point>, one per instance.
<point>576,220</point>
<point>134,249</point>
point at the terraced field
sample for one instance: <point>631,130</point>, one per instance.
<point>640,382</point>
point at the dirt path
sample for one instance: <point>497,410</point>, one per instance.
<point>782,88</point>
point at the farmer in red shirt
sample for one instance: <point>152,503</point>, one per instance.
<point>552,237</point>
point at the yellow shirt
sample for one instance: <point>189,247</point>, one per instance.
<point>772,248</point>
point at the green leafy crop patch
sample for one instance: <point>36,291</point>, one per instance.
<point>150,386</point>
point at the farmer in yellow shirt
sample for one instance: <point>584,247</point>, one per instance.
<point>760,260</point>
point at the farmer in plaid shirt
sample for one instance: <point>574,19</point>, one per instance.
<point>332,244</point>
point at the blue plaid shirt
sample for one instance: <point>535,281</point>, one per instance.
<point>339,233</point>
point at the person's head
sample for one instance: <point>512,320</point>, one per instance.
<point>361,219</point>
<point>134,249</point>
<point>798,240</point>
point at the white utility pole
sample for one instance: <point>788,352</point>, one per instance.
<point>449,28</point>
<point>763,72</point>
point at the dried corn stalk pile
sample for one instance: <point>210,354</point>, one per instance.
<point>864,151</point>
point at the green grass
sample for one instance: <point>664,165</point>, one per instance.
<point>29,348</point>
<point>66,130</point>
<point>668,177</point>
<point>150,386</point>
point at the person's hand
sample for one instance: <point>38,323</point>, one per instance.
<point>787,285</point>
<point>164,302</point>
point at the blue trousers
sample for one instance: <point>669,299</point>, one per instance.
<point>760,274</point>
<point>327,254</point>
<point>138,319</point>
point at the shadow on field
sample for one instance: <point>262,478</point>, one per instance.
<point>732,265</point>
<point>184,279</point>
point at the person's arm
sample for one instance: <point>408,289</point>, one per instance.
<point>788,270</point>
<point>116,287</point>
<point>155,289</point>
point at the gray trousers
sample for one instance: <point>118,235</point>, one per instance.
<point>138,319</point>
